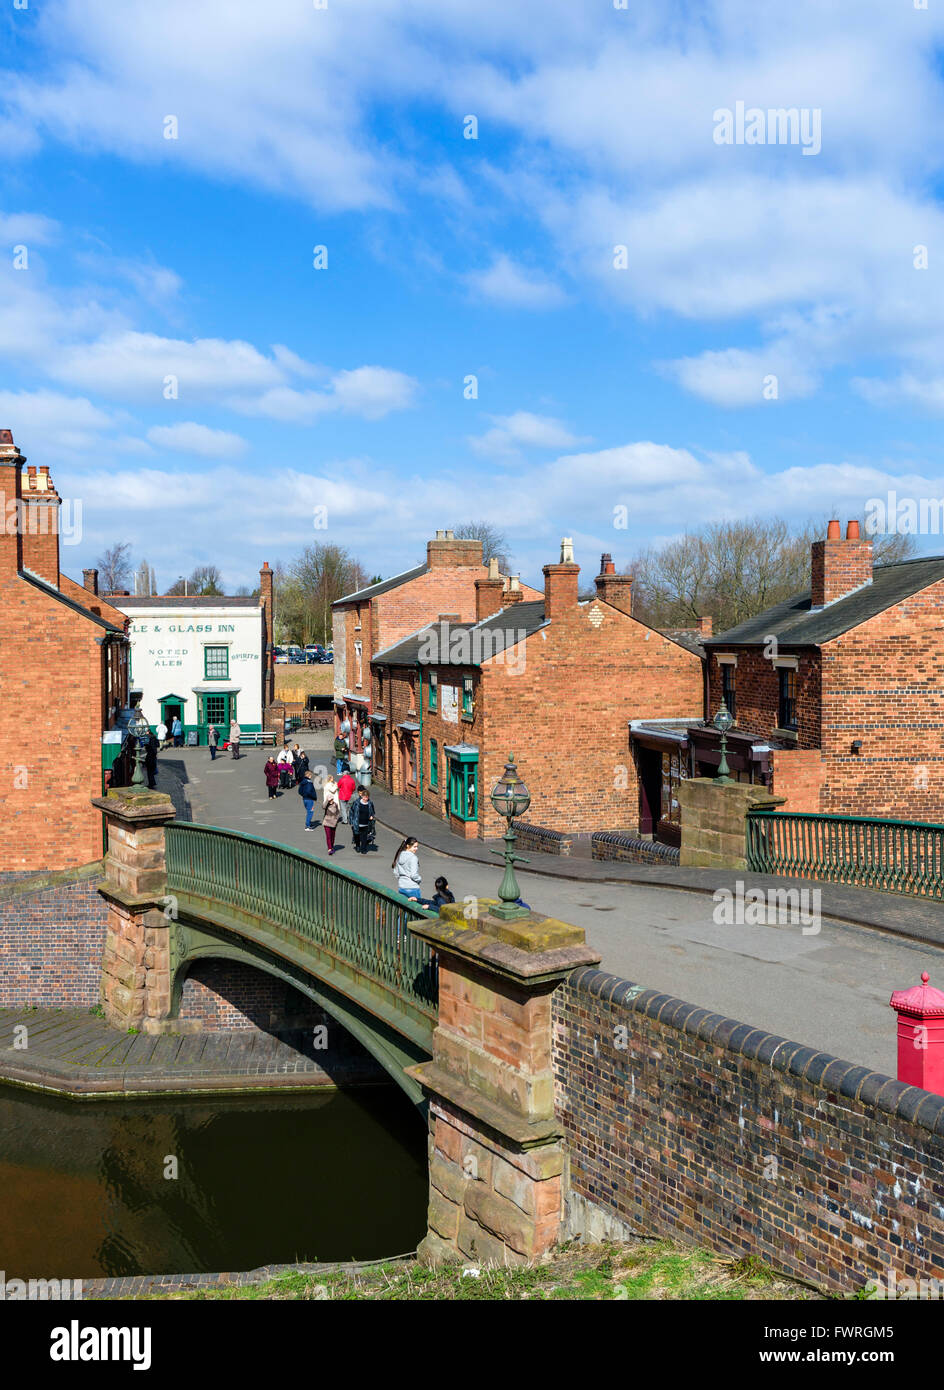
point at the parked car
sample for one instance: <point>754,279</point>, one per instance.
<point>281,656</point>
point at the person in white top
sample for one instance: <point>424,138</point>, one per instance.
<point>406,869</point>
<point>161,732</point>
<point>286,768</point>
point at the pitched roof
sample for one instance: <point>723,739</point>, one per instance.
<point>513,624</point>
<point>688,637</point>
<point>374,590</point>
<point>40,583</point>
<point>795,623</point>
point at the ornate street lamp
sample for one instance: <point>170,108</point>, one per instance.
<point>141,730</point>
<point>722,722</point>
<point>511,799</point>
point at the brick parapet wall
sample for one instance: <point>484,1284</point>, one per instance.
<point>540,840</point>
<point>228,994</point>
<point>717,1133</point>
<point>627,849</point>
<point>52,934</point>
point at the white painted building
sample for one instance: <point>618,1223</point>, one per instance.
<point>203,659</point>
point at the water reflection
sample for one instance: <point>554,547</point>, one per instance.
<point>260,1180</point>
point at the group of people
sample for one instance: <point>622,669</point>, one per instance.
<point>340,804</point>
<point>406,871</point>
<point>285,769</point>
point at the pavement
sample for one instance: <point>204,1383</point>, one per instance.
<point>77,1053</point>
<point>824,980</point>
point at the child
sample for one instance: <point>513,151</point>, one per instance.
<point>442,894</point>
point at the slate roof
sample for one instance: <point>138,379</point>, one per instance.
<point>795,624</point>
<point>519,619</point>
<point>375,590</point>
<point>688,637</point>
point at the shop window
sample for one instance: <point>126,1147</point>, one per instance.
<point>728,694</point>
<point>358,662</point>
<point>216,663</point>
<point>215,709</point>
<point>467,697</point>
<point>411,755</point>
<point>433,763</point>
<point>788,696</point>
<point>673,771</point>
<point>433,692</point>
<point>463,796</point>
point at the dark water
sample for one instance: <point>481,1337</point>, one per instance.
<point>261,1180</point>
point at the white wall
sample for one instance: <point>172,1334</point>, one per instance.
<point>167,656</point>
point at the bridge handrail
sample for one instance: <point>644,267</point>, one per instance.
<point>895,856</point>
<point>356,920</point>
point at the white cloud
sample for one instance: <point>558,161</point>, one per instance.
<point>504,282</point>
<point>191,438</point>
<point>370,392</point>
<point>737,378</point>
<point>510,433</point>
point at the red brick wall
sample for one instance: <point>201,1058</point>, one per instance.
<point>798,775</point>
<point>757,693</point>
<point>883,683</point>
<point>51,722</point>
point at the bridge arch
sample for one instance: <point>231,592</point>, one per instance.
<point>198,942</point>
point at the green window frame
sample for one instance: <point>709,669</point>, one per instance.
<point>215,709</point>
<point>463,790</point>
<point>216,663</point>
<point>433,763</point>
<point>467,696</point>
<point>433,702</point>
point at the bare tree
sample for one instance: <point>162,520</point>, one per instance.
<point>306,588</point>
<point>494,541</point>
<point>114,568</point>
<point>733,570</point>
<point>206,580</point>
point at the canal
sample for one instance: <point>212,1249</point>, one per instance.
<point>207,1183</point>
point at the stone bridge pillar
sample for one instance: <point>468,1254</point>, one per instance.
<point>496,1152</point>
<point>714,821</point>
<point>135,990</point>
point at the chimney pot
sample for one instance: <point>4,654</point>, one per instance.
<point>450,536</point>
<point>852,531</point>
<point>833,531</point>
<point>567,550</point>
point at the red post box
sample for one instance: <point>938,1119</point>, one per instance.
<point>920,1012</point>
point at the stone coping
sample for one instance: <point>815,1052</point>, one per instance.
<point>139,1285</point>
<point>44,879</point>
<point>910,1103</point>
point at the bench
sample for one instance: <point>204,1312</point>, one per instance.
<point>256,740</point>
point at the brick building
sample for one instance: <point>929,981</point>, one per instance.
<point>380,615</point>
<point>63,682</point>
<point>838,694</point>
<point>553,679</point>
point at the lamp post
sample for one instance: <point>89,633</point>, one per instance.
<point>722,722</point>
<point>141,730</point>
<point>511,798</point>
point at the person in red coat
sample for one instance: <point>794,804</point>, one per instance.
<point>346,789</point>
<point>272,776</point>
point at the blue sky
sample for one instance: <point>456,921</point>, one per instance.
<point>598,388</point>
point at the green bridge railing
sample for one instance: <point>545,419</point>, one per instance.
<point>337,914</point>
<point>894,855</point>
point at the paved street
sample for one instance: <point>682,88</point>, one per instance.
<point>828,990</point>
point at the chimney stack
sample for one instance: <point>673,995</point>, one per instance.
<point>445,552</point>
<point>266,599</point>
<point>512,592</point>
<point>90,580</point>
<point>612,588</point>
<point>839,566</point>
<point>40,549</point>
<point>704,626</point>
<point>488,593</point>
<point>561,583</point>
<point>11,506</point>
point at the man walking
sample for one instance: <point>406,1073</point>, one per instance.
<point>234,738</point>
<point>346,789</point>
<point>306,790</point>
<point>212,739</point>
<point>150,761</point>
<point>177,729</point>
<point>340,754</point>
